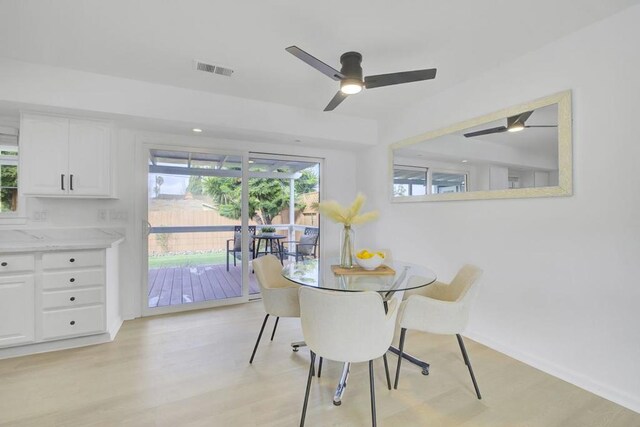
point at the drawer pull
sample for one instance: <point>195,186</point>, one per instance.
<point>4,264</point>
<point>72,279</point>
<point>72,260</point>
<point>73,322</point>
<point>72,299</point>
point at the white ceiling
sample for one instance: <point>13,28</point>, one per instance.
<point>156,41</point>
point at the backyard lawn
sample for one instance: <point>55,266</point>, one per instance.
<point>186,260</point>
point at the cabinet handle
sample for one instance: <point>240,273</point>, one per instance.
<point>72,260</point>
<point>73,322</point>
<point>72,299</point>
<point>72,280</point>
<point>62,181</point>
<point>71,182</point>
<point>4,264</point>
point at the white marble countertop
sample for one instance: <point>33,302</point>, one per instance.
<point>28,240</point>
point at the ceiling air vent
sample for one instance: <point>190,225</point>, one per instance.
<point>213,69</point>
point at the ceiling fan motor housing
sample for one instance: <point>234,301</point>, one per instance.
<point>351,68</point>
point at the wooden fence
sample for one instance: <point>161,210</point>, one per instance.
<point>194,212</point>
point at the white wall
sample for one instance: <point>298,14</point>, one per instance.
<point>568,300</point>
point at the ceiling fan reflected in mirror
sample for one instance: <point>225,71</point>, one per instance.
<point>514,124</point>
<point>350,75</point>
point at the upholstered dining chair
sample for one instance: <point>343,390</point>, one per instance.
<point>347,327</point>
<point>279,295</point>
<point>440,308</point>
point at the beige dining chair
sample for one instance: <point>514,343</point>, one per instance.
<point>279,295</point>
<point>440,308</point>
<point>347,327</point>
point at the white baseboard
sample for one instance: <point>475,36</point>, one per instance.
<point>572,377</point>
<point>115,326</point>
<point>44,347</point>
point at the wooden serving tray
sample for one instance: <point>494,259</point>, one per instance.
<point>383,270</point>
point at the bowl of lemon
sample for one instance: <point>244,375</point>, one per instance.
<point>369,260</point>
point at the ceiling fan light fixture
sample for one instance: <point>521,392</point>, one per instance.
<point>516,127</point>
<point>350,86</point>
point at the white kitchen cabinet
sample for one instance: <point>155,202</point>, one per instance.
<point>52,295</point>
<point>17,309</point>
<point>65,157</point>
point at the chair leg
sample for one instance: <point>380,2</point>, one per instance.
<point>306,395</point>
<point>468,363</point>
<point>258,340</point>
<point>386,370</point>
<point>320,367</point>
<point>273,334</point>
<point>227,260</point>
<point>403,332</point>
<point>373,394</point>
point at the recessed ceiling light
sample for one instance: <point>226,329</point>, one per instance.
<point>465,161</point>
<point>250,161</point>
<point>196,130</point>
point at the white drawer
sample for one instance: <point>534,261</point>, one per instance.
<point>72,279</point>
<point>14,263</point>
<point>72,298</point>
<point>73,321</point>
<point>73,259</point>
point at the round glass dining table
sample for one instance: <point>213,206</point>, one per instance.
<point>318,274</point>
<point>402,277</point>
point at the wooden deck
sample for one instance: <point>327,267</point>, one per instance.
<point>184,285</point>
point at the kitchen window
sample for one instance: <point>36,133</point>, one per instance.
<point>10,203</point>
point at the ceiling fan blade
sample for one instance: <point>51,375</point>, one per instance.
<point>315,63</point>
<point>486,131</point>
<point>335,101</point>
<point>542,126</point>
<point>380,80</point>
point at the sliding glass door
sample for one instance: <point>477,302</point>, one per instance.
<point>209,214</point>
<point>194,245</point>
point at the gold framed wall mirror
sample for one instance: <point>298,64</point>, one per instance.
<point>518,152</point>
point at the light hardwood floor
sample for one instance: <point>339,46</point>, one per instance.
<point>192,369</point>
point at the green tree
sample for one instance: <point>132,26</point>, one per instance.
<point>195,185</point>
<point>307,183</point>
<point>267,196</point>
<point>8,178</point>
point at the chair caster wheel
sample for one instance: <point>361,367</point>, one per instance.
<point>295,349</point>
<point>425,372</point>
<point>338,403</point>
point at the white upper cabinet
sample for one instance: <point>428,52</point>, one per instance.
<point>65,157</point>
<point>89,158</point>
<point>44,157</point>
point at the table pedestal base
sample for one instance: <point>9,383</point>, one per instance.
<point>342,384</point>
<point>412,359</point>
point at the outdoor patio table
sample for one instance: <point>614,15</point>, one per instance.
<point>318,274</point>
<point>269,241</point>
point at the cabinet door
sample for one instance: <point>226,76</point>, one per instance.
<point>89,158</point>
<point>44,155</point>
<point>17,316</point>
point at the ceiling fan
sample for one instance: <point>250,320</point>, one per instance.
<point>350,75</point>
<point>514,124</point>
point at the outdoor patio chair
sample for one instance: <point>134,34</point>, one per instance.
<point>236,249</point>
<point>307,246</point>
